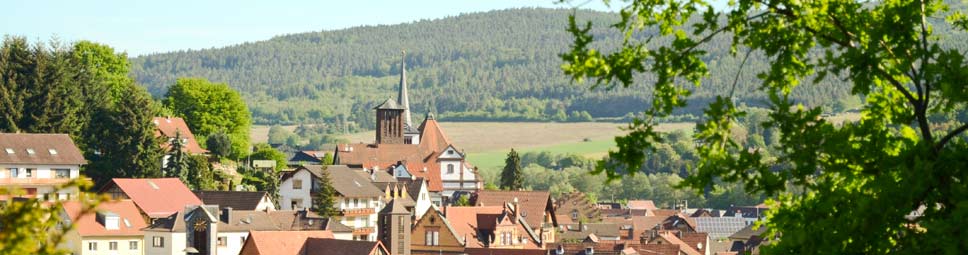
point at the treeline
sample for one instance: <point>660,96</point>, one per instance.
<point>499,65</point>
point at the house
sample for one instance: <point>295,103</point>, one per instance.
<point>536,207</point>
<point>641,205</point>
<point>423,151</point>
<point>748,240</point>
<point>750,213</point>
<point>495,227</point>
<point>114,228</point>
<point>575,207</point>
<point>238,200</point>
<point>357,198</point>
<point>211,230</point>
<point>170,127</point>
<point>39,163</point>
<point>580,231</point>
<point>311,243</point>
<point>307,158</point>
<point>155,197</point>
<point>433,234</point>
<point>721,227</point>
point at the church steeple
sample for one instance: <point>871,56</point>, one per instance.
<point>403,99</point>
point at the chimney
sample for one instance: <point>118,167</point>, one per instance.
<point>226,215</point>
<point>445,210</point>
<point>517,211</point>
<point>581,226</point>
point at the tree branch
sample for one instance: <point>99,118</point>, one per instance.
<point>951,135</point>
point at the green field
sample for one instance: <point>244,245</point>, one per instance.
<point>495,159</point>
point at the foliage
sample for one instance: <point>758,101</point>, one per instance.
<point>219,144</point>
<point>324,196</point>
<point>201,176</point>
<point>82,90</point>
<point>327,159</point>
<point>266,152</point>
<point>177,165</point>
<point>260,180</point>
<point>463,200</point>
<point>210,108</point>
<point>512,177</point>
<point>278,134</point>
<point>492,66</point>
<point>854,183</point>
<point>33,226</point>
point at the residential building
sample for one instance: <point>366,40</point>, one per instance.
<point>238,200</point>
<point>312,243</point>
<point>535,207</point>
<point>211,230</point>
<point>39,163</point>
<point>433,234</point>
<point>423,151</point>
<point>114,228</point>
<point>171,127</point>
<point>357,198</point>
<point>577,232</point>
<point>495,227</point>
<point>575,207</point>
<point>156,197</point>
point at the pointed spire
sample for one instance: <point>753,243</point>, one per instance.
<point>403,99</point>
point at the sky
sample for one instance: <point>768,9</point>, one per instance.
<point>145,27</point>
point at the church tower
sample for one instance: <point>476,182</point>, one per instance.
<point>389,123</point>
<point>394,223</point>
<point>411,135</point>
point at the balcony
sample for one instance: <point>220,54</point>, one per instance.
<point>357,212</point>
<point>363,231</point>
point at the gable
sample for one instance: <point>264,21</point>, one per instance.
<point>434,220</point>
<point>450,153</point>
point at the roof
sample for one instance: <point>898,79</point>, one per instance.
<point>280,242</point>
<point>307,156</point>
<point>348,182</point>
<point>326,246</point>
<point>394,207</point>
<point>641,224</point>
<point>420,159</point>
<point>696,240</point>
<point>581,231</point>
<point>642,205</point>
<point>532,203</point>
<point>239,200</point>
<point>471,221</point>
<point>157,197</point>
<point>169,126</point>
<point>719,227</point>
<point>48,149</point>
<point>683,247</point>
<point>747,232</point>
<point>389,104</point>
<point>130,221</point>
<point>247,220</point>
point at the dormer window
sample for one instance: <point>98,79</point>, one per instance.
<point>30,151</point>
<point>52,151</point>
<point>10,151</point>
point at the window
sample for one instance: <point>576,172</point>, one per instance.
<point>92,246</point>
<point>10,151</point>
<point>133,245</point>
<point>432,238</point>
<point>222,241</point>
<point>450,168</point>
<point>14,172</point>
<point>356,202</point>
<point>52,151</point>
<point>30,172</point>
<point>62,173</point>
<point>157,241</point>
<point>297,184</point>
<point>30,151</point>
<point>113,246</point>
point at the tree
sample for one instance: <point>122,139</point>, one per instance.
<point>324,198</point>
<point>219,144</point>
<point>177,165</point>
<point>127,147</point>
<point>200,175</point>
<point>210,108</point>
<point>327,159</point>
<point>278,134</point>
<point>266,152</point>
<point>511,177</point>
<point>34,226</point>
<point>862,177</point>
<point>463,200</point>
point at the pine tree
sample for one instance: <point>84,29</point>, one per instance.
<point>15,59</point>
<point>324,198</point>
<point>126,144</point>
<point>177,165</point>
<point>512,177</point>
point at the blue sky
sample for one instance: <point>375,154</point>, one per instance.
<point>144,27</point>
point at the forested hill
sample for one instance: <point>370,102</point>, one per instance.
<point>498,65</point>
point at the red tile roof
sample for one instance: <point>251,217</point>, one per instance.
<point>48,149</point>
<point>420,159</point>
<point>533,203</point>
<point>279,242</point>
<point>159,197</point>
<point>467,221</point>
<point>642,205</point>
<point>130,221</point>
<point>168,126</point>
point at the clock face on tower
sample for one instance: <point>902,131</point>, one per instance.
<point>200,226</point>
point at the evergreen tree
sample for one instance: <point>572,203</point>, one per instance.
<point>219,144</point>
<point>177,165</point>
<point>127,147</point>
<point>15,69</point>
<point>200,174</point>
<point>512,177</point>
<point>324,198</point>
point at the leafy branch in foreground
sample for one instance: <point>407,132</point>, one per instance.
<point>856,183</point>
<point>34,226</point>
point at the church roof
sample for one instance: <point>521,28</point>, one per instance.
<point>389,104</point>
